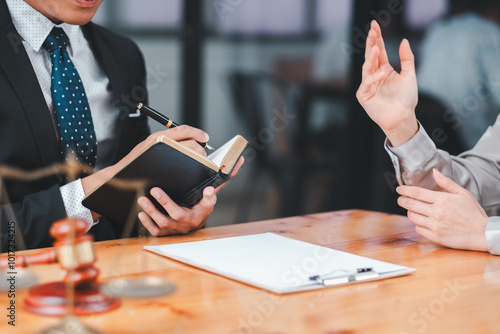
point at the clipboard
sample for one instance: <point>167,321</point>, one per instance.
<point>279,264</point>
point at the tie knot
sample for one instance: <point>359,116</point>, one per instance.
<point>57,39</point>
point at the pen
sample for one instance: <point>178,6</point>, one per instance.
<point>164,120</point>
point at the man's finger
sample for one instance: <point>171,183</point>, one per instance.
<point>425,232</point>
<point>446,183</point>
<point>173,209</point>
<point>208,201</point>
<point>149,224</point>
<point>186,132</point>
<point>235,171</point>
<point>370,42</point>
<point>194,146</point>
<point>371,62</point>
<point>371,74</point>
<point>368,84</point>
<point>383,58</point>
<point>407,58</point>
<point>236,168</point>
<point>414,205</point>
<point>418,193</point>
<point>418,219</point>
<point>159,218</point>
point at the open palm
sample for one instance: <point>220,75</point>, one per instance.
<point>388,97</point>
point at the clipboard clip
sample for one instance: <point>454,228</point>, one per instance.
<point>342,276</point>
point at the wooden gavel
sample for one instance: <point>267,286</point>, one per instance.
<point>74,254</point>
<point>79,293</point>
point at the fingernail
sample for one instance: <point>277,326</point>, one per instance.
<point>143,202</point>
<point>141,216</point>
<point>210,191</point>
<point>156,193</point>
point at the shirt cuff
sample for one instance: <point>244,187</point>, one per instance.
<point>412,155</point>
<point>493,235</point>
<point>73,195</point>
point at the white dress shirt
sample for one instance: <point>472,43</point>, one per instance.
<point>34,28</point>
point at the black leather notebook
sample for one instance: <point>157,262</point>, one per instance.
<point>179,171</point>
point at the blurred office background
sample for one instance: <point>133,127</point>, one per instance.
<point>283,73</point>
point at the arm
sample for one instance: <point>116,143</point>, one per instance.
<point>389,99</point>
<point>477,170</point>
<point>179,219</point>
<point>32,218</point>
<point>451,217</point>
<point>434,212</point>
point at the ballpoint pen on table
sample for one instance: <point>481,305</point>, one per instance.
<point>164,120</point>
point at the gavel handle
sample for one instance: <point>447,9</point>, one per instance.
<point>45,257</point>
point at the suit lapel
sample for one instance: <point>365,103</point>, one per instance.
<point>15,62</point>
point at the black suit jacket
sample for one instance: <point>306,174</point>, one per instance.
<point>28,138</point>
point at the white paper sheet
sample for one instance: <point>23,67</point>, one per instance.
<point>219,155</point>
<point>272,262</point>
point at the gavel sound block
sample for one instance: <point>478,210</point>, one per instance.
<point>76,257</point>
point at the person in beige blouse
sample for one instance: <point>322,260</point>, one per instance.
<point>453,201</point>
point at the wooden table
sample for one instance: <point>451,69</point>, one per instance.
<point>451,292</point>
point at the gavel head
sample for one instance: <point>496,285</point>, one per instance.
<point>74,250</point>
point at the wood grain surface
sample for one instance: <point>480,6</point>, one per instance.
<point>452,291</point>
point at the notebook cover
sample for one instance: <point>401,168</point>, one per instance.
<point>180,176</point>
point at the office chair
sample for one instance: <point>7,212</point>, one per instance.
<point>294,159</point>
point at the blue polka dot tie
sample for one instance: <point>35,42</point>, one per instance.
<point>70,102</point>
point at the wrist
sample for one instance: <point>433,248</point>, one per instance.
<point>403,132</point>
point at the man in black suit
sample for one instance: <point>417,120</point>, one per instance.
<point>113,74</point>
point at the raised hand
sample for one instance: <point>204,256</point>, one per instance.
<point>452,218</point>
<point>388,97</point>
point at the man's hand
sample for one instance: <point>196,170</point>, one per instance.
<point>180,220</point>
<point>452,218</point>
<point>185,135</point>
<point>388,97</point>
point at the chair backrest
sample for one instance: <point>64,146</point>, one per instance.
<point>247,101</point>
<point>248,92</point>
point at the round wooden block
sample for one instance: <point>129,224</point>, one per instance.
<point>51,299</point>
